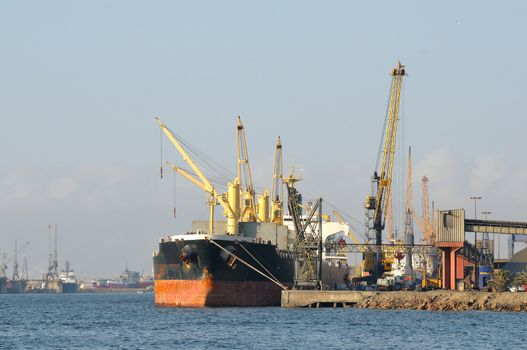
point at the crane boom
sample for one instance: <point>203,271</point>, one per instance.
<point>229,201</point>
<point>422,227</point>
<point>244,174</point>
<point>187,176</point>
<point>185,155</point>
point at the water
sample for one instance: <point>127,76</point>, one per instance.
<point>131,321</point>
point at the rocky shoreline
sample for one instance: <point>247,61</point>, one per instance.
<point>445,301</point>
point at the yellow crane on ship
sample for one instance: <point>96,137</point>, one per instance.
<point>247,194</point>
<point>238,202</point>
<point>277,189</point>
<point>230,201</point>
<point>382,177</point>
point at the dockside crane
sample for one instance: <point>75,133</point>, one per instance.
<point>425,224</point>
<point>230,201</point>
<point>6,260</point>
<point>308,241</point>
<point>382,178</point>
<point>277,189</point>
<point>408,212</point>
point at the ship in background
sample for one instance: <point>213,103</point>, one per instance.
<point>127,280</point>
<point>246,260</point>
<point>68,280</point>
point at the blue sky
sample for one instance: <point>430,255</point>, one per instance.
<point>81,82</point>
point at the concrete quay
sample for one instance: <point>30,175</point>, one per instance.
<point>323,298</point>
<point>441,300</point>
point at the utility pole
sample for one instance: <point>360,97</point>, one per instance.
<point>475,198</point>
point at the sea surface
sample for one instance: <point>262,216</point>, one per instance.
<point>131,321</point>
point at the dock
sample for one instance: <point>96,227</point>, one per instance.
<point>323,298</point>
<point>439,300</point>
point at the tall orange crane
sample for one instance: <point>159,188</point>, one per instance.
<point>425,224</point>
<point>408,223</point>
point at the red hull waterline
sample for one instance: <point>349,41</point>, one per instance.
<point>206,292</point>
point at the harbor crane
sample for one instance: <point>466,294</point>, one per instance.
<point>230,201</point>
<point>308,241</point>
<point>6,260</point>
<point>425,224</point>
<point>382,178</point>
<point>408,223</point>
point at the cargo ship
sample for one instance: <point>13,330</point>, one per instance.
<point>68,280</point>
<point>3,285</point>
<point>128,280</point>
<point>246,260</point>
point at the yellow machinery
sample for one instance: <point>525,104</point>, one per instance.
<point>277,189</point>
<point>248,204</point>
<point>377,203</point>
<point>263,207</point>
<point>230,201</point>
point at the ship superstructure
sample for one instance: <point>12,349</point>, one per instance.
<point>68,280</point>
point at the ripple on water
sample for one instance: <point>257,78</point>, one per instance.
<point>131,321</point>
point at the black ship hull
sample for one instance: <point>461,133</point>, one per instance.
<point>69,287</point>
<point>196,273</point>
<point>3,285</point>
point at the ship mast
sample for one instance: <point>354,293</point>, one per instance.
<point>277,192</point>
<point>244,174</point>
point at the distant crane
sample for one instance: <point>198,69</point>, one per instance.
<point>425,224</point>
<point>6,260</point>
<point>408,223</point>
<point>16,277</point>
<point>25,269</point>
<point>53,260</point>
